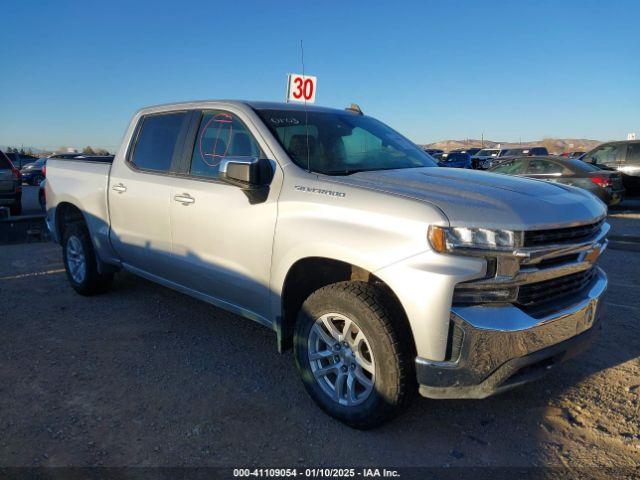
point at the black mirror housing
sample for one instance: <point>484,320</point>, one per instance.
<point>246,172</point>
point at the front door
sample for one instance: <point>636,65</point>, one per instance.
<point>222,236</point>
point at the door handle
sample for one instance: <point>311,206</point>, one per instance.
<point>119,187</point>
<point>184,199</point>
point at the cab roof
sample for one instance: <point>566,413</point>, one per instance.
<point>257,105</point>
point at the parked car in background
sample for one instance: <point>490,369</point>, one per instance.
<point>485,163</point>
<point>34,173</point>
<point>20,160</point>
<point>524,152</point>
<point>455,160</point>
<point>433,151</point>
<point>10,186</point>
<point>470,151</point>
<point>483,159</point>
<point>623,157</point>
<point>574,154</point>
<point>605,185</point>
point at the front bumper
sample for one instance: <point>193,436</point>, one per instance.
<point>503,346</point>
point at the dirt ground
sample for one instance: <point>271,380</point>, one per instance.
<point>145,376</point>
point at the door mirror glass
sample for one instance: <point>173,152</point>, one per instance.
<point>246,173</point>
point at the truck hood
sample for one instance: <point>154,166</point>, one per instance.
<point>483,199</point>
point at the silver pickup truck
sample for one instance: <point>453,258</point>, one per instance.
<point>385,273</point>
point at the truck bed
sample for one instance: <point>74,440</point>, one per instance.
<point>82,183</point>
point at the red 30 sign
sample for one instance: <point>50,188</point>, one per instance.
<point>301,88</point>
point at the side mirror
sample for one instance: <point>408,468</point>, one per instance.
<point>245,172</point>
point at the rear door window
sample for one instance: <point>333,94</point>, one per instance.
<point>510,167</point>
<point>220,135</point>
<point>157,141</point>
<point>543,167</point>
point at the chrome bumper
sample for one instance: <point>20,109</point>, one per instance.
<point>503,346</point>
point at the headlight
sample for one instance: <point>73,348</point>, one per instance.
<point>447,239</point>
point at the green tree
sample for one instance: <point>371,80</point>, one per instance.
<point>88,151</point>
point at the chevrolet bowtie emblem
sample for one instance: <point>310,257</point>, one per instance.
<point>592,255</point>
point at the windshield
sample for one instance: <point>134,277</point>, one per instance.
<point>336,143</point>
<point>487,152</point>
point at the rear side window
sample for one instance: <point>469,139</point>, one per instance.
<point>510,167</point>
<point>543,166</point>
<point>221,135</point>
<point>157,140</point>
<point>633,154</point>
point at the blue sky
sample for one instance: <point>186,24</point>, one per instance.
<point>73,72</point>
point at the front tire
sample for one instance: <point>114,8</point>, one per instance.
<point>355,358</point>
<point>80,262</point>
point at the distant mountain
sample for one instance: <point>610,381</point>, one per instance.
<point>554,145</point>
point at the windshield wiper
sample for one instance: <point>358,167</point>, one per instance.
<point>344,172</point>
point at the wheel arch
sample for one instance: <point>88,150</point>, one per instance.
<point>67,212</point>
<point>307,275</point>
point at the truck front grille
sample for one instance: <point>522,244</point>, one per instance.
<point>534,294</point>
<point>536,238</point>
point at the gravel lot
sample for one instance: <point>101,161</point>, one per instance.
<point>145,376</point>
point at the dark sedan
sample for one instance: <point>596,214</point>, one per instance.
<point>606,185</point>
<point>34,173</point>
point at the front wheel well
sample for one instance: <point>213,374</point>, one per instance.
<point>308,275</point>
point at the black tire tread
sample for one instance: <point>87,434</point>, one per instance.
<point>398,336</point>
<point>95,282</point>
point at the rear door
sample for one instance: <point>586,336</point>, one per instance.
<point>222,235</point>
<point>140,189</point>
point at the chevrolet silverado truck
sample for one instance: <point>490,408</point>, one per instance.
<point>383,272</point>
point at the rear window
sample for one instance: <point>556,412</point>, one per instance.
<point>580,166</point>
<point>157,140</point>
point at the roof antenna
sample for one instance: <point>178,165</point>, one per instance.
<point>306,114</point>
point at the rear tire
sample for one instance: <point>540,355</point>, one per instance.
<point>80,262</point>
<point>373,347</point>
